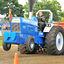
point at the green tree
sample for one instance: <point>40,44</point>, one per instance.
<point>17,9</point>
<point>53,5</point>
<point>56,9</point>
<point>61,14</point>
<point>1,6</point>
<point>26,7</point>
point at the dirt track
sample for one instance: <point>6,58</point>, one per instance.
<point>1,37</point>
<point>7,57</point>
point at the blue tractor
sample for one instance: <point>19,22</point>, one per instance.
<point>26,34</point>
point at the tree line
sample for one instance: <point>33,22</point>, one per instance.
<point>18,10</point>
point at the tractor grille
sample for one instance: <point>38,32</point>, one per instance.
<point>16,27</point>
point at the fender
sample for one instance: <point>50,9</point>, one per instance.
<point>48,27</point>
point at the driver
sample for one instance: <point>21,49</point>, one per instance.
<point>41,21</point>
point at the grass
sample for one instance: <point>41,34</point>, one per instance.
<point>2,35</point>
<point>1,42</point>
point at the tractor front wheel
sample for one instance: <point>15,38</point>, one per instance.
<point>6,46</point>
<point>29,47</point>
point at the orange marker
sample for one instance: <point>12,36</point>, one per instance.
<point>10,15</point>
<point>16,59</point>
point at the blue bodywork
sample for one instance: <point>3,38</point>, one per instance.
<point>28,28</point>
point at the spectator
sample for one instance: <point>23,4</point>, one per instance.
<point>0,27</point>
<point>4,28</point>
<point>9,27</point>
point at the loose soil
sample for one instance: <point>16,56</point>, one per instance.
<point>7,57</point>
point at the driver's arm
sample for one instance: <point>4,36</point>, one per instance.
<point>43,18</point>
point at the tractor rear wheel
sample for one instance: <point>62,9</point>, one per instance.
<point>29,47</point>
<point>55,41</point>
<point>6,46</point>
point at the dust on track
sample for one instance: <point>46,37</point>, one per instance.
<point>7,57</point>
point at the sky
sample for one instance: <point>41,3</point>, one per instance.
<point>23,2</point>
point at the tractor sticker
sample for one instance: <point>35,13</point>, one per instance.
<point>24,26</point>
<point>29,21</point>
<point>15,20</point>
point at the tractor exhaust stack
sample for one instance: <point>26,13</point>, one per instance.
<point>31,4</point>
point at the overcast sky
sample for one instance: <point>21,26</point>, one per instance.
<point>23,2</point>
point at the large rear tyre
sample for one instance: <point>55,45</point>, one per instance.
<point>6,46</point>
<point>29,47</point>
<point>55,41</point>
